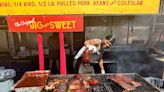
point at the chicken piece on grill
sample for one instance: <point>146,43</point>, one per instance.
<point>75,84</point>
<point>92,81</point>
<point>61,88</point>
<point>78,84</point>
<point>56,85</point>
<point>49,87</point>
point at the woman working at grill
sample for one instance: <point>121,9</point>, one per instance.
<point>92,51</point>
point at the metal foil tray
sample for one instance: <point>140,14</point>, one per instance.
<point>31,81</point>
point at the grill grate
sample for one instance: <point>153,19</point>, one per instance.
<point>110,86</point>
<point>99,88</point>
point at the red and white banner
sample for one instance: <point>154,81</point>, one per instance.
<point>45,23</point>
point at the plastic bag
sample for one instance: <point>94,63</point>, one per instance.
<point>6,74</point>
<point>2,67</point>
<point>155,81</point>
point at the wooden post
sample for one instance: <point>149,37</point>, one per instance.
<point>63,68</point>
<point>40,52</point>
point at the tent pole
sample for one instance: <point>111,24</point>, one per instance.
<point>40,51</point>
<point>63,68</point>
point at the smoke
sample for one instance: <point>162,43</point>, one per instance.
<point>138,62</point>
<point>133,60</point>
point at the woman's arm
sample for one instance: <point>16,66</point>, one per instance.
<point>102,66</point>
<point>95,42</point>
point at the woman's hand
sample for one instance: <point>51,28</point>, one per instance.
<point>74,63</point>
<point>102,71</point>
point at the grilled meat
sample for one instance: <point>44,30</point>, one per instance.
<point>77,85</point>
<point>56,85</point>
<point>86,56</point>
<point>61,88</point>
<point>78,90</point>
<point>128,80</point>
<point>93,81</point>
<point>49,87</point>
<point>123,84</point>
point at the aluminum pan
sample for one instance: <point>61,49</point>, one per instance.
<point>27,84</point>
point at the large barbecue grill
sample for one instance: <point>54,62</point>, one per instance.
<point>107,85</point>
<point>37,81</point>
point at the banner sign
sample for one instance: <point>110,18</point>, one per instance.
<point>49,7</point>
<point>45,23</point>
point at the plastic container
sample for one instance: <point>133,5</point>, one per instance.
<point>5,86</point>
<point>155,81</point>
<point>2,67</point>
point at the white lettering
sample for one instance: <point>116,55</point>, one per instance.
<point>22,23</point>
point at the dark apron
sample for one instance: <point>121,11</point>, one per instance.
<point>88,68</point>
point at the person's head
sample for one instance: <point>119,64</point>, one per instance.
<point>55,34</point>
<point>22,48</point>
<point>108,40</point>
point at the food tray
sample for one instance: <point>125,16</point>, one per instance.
<point>31,81</point>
